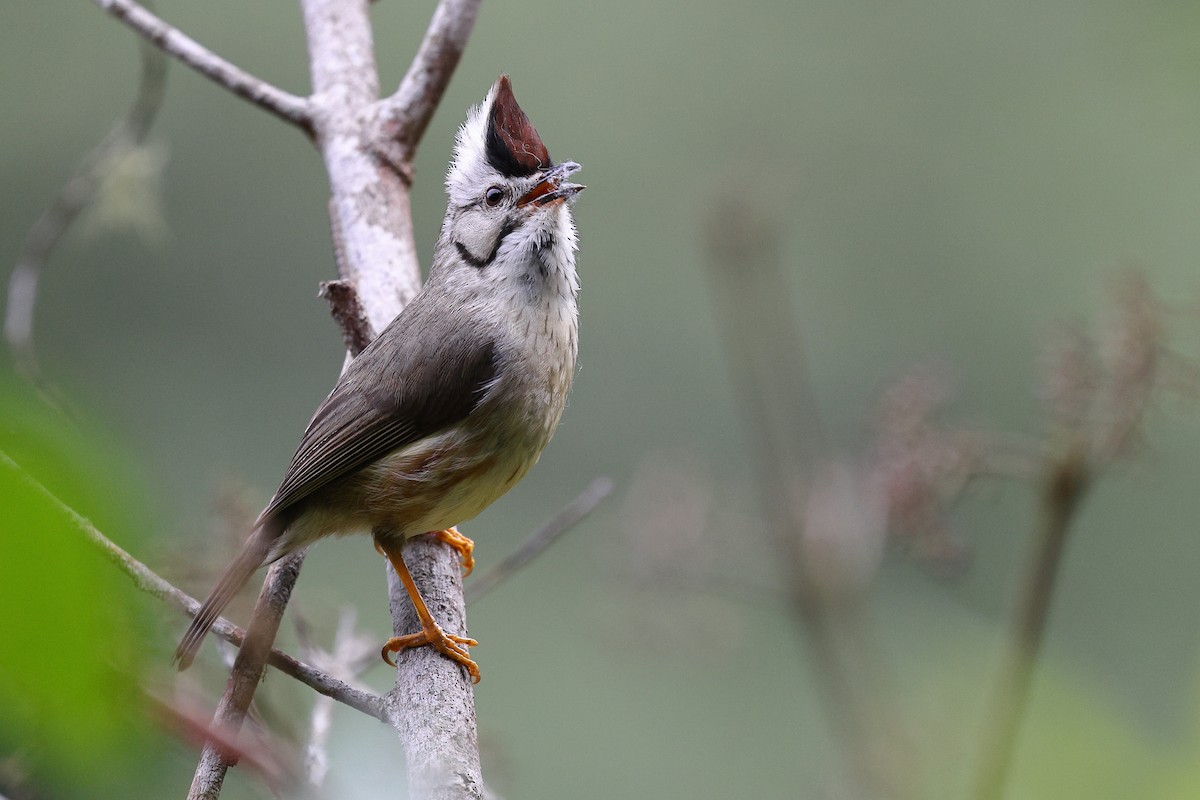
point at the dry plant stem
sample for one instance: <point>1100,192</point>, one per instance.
<point>128,133</point>
<point>146,580</point>
<point>1065,485</point>
<point>287,107</point>
<point>548,534</point>
<point>766,356</point>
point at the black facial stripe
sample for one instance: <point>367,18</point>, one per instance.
<point>477,262</point>
<point>470,257</point>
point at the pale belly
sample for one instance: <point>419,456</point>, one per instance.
<point>428,486</point>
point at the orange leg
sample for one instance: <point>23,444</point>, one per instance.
<point>462,544</point>
<point>449,645</point>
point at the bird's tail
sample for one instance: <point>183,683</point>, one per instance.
<point>249,559</point>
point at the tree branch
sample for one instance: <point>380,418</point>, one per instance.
<point>348,313</point>
<point>247,671</point>
<point>287,107</point>
<point>432,706</point>
<point>370,213</point>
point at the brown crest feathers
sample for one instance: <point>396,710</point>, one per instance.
<point>513,145</point>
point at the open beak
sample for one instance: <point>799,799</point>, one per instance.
<point>553,186</point>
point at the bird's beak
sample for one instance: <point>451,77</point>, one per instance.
<point>553,186</point>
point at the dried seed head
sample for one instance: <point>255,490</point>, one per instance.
<point>1070,377</point>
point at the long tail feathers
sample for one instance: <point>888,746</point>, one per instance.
<point>249,559</point>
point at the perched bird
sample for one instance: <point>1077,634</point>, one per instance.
<point>452,404</point>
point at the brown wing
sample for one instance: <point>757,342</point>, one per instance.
<point>405,386</point>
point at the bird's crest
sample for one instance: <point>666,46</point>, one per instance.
<point>496,136</point>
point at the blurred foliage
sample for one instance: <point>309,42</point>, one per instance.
<point>73,637</point>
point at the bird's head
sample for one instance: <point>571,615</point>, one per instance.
<point>509,212</point>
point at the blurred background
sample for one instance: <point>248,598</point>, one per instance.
<point>938,186</point>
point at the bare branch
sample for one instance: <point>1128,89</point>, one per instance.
<point>369,206</point>
<point>146,580</point>
<point>287,107</point>
<point>127,134</point>
<point>548,534</point>
<point>432,706</point>
<point>190,726</point>
<point>404,116</point>
<point>247,671</point>
<point>350,655</point>
<point>342,65</point>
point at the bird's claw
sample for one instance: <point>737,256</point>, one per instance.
<point>448,644</point>
<point>464,546</point>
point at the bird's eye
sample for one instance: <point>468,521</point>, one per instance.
<point>493,196</point>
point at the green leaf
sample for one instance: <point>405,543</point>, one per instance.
<point>70,639</point>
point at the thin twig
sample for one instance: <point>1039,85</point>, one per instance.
<point>170,40</point>
<point>146,580</point>
<point>348,657</point>
<point>126,135</point>
<point>194,729</point>
<point>570,516</point>
<point>247,671</point>
<point>1067,481</point>
<point>404,116</point>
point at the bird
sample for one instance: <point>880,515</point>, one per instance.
<point>453,403</point>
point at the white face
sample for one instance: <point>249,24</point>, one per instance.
<point>502,229</point>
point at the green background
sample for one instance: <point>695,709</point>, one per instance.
<point>952,179</point>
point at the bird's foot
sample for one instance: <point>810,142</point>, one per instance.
<point>451,646</point>
<point>464,546</point>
